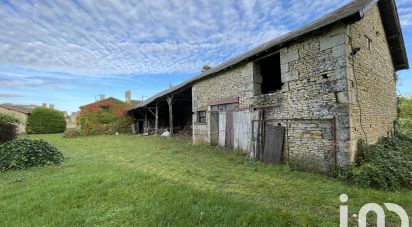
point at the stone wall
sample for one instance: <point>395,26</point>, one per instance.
<point>317,103</point>
<point>314,92</point>
<point>313,73</point>
<point>237,82</point>
<point>372,82</point>
<point>21,116</point>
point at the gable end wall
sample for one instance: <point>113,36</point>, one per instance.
<point>372,84</point>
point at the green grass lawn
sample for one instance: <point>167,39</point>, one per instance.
<point>129,180</point>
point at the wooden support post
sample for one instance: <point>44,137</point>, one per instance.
<point>157,118</point>
<point>145,122</point>
<point>169,100</point>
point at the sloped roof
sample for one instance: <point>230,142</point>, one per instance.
<point>26,109</point>
<point>135,102</point>
<point>106,99</point>
<point>355,10</point>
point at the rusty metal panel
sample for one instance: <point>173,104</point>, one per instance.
<point>214,128</point>
<point>229,130</point>
<point>273,145</point>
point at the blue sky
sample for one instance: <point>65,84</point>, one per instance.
<point>68,52</point>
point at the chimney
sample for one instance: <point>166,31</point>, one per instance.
<point>101,97</point>
<point>44,105</point>
<point>51,106</point>
<point>128,96</point>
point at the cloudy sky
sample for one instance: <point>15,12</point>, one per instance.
<point>68,52</point>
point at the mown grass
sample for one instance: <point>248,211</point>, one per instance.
<point>146,181</point>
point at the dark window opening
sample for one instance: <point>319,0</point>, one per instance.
<point>269,70</point>
<point>201,116</point>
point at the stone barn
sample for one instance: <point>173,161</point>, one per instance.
<point>304,98</point>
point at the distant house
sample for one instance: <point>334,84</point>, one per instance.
<point>128,99</point>
<point>305,97</point>
<point>106,116</point>
<point>21,112</point>
<point>71,120</point>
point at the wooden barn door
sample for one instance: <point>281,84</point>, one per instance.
<point>214,128</point>
<point>229,130</point>
<point>273,144</point>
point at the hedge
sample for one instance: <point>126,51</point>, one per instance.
<point>44,120</point>
<point>71,133</point>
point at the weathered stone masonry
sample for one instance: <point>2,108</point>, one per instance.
<point>318,87</point>
<point>373,86</point>
<point>21,116</point>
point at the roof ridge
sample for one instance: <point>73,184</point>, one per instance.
<point>356,9</point>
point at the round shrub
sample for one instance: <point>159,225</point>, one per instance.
<point>71,133</point>
<point>24,153</point>
<point>8,127</point>
<point>44,120</point>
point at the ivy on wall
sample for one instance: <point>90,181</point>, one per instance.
<point>107,116</point>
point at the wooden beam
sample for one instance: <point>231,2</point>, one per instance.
<point>145,122</point>
<point>169,100</point>
<point>151,111</point>
<point>157,118</point>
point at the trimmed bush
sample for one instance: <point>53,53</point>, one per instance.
<point>24,153</point>
<point>385,165</point>
<point>44,121</point>
<point>71,133</point>
<point>8,127</point>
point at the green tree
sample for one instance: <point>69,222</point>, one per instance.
<point>44,120</point>
<point>206,67</point>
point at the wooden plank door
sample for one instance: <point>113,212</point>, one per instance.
<point>229,130</point>
<point>273,145</point>
<point>222,129</point>
<point>214,128</point>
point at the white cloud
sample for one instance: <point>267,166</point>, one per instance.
<point>146,36</point>
<point>11,95</point>
<point>405,12</point>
